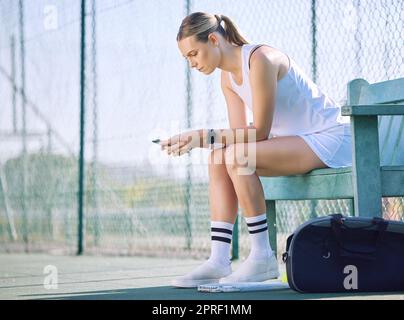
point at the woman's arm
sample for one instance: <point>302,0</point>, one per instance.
<point>236,109</point>
<point>263,80</point>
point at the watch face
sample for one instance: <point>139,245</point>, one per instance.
<point>211,136</point>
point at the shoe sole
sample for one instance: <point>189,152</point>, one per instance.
<point>256,278</point>
<point>192,283</point>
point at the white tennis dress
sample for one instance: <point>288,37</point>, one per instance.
<point>301,109</point>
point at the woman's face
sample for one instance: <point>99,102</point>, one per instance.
<point>204,57</point>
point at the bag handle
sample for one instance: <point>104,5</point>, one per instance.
<point>337,223</point>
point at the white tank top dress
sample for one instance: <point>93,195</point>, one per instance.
<point>301,109</point>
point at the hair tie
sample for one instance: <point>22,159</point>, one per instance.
<point>218,18</point>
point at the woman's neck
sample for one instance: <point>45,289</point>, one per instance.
<point>231,59</point>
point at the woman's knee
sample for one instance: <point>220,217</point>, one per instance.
<point>235,156</point>
<point>228,158</point>
<point>217,157</point>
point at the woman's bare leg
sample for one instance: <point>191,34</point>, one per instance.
<point>277,156</point>
<point>280,156</point>
<point>223,207</point>
<point>222,196</point>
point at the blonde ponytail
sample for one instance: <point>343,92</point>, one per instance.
<point>201,24</point>
<point>233,34</point>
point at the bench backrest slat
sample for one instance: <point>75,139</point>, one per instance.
<point>391,128</point>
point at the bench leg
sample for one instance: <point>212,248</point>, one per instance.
<point>351,207</point>
<point>366,166</point>
<point>271,221</point>
<point>234,243</point>
<point>313,209</point>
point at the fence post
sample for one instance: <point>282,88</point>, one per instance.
<point>80,247</point>
<point>314,40</point>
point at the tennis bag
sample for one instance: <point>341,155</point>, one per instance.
<point>336,253</point>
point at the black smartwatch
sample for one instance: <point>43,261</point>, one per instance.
<point>211,138</point>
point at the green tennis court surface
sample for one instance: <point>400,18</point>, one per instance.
<point>125,278</point>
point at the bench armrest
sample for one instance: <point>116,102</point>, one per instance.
<point>373,110</point>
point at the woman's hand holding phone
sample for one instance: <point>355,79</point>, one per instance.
<point>182,143</point>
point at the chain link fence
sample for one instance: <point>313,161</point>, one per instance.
<point>137,88</point>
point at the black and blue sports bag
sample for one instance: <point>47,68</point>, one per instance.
<point>336,253</point>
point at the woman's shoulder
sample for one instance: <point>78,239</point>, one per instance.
<point>270,55</point>
<point>266,52</point>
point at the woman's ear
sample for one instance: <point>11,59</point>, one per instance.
<point>213,38</point>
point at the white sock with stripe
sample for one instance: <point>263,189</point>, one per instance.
<point>258,229</point>
<point>221,235</point>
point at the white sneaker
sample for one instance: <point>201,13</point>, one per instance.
<point>208,272</point>
<point>253,270</point>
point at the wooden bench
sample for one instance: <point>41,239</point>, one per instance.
<point>376,120</point>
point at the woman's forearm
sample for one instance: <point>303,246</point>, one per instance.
<point>227,137</point>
